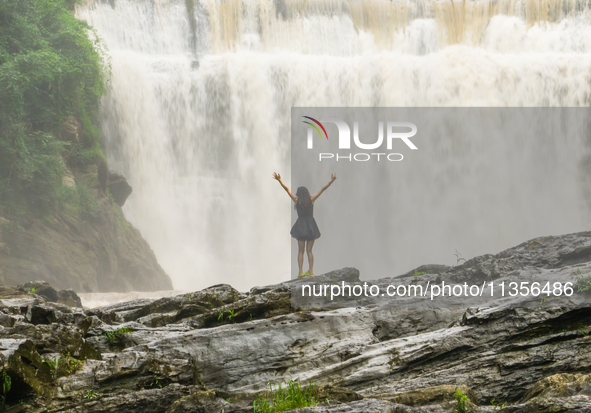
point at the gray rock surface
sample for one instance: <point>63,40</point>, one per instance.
<point>217,350</point>
<point>100,255</point>
<point>118,187</point>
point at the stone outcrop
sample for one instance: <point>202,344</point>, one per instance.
<point>99,255</point>
<point>118,187</point>
<point>219,349</point>
<point>84,243</point>
<point>71,130</point>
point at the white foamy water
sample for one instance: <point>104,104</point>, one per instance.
<point>197,117</point>
<point>93,300</point>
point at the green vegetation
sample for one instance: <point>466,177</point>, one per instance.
<point>418,273</point>
<point>462,403</point>
<point>122,223</point>
<point>113,336</point>
<point>6,385</point>
<point>78,200</point>
<point>53,368</point>
<point>91,395</point>
<point>292,397</point>
<point>156,381</point>
<point>30,290</point>
<point>63,365</point>
<point>583,280</point>
<point>52,66</point>
<point>498,406</point>
<point>230,315</point>
<point>459,258</point>
<point>71,365</point>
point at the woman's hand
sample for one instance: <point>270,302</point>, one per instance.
<point>278,177</point>
<point>333,177</point>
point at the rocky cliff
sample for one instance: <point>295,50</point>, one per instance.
<point>218,350</point>
<point>100,255</point>
<point>84,243</point>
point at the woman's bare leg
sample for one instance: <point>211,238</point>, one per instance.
<point>309,246</point>
<point>301,246</point>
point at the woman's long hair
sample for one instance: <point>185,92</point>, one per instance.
<point>303,197</point>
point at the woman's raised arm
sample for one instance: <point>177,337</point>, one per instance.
<point>317,194</point>
<point>278,177</point>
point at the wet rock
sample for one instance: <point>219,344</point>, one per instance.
<point>26,363</point>
<point>575,404</point>
<point>337,394</point>
<point>207,401</point>
<point>44,290</point>
<point>41,288</point>
<point>153,400</point>
<point>187,305</point>
<point>8,292</point>
<point>7,320</point>
<point>431,395</point>
<point>88,255</point>
<point>118,187</point>
<point>362,406</point>
<point>69,298</point>
<point>560,385</point>
<point>40,314</point>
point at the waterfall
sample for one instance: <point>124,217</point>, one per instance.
<point>198,113</point>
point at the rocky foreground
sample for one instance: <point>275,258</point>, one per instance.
<point>217,349</point>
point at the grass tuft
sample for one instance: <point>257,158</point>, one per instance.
<point>291,397</point>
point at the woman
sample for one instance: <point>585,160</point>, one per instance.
<point>305,229</point>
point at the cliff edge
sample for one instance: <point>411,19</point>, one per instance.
<point>84,243</point>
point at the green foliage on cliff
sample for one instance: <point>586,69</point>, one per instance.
<point>79,200</point>
<point>51,66</point>
<point>289,398</point>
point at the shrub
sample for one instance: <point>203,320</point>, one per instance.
<point>292,397</point>
<point>113,336</point>
<point>462,402</point>
<point>583,280</point>
<point>6,385</point>
<point>50,68</point>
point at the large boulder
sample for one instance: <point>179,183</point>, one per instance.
<point>118,187</point>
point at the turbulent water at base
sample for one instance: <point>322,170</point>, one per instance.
<point>197,117</point>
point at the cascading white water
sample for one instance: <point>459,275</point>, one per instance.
<point>197,117</point>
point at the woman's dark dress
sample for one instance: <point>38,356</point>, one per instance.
<point>305,228</point>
